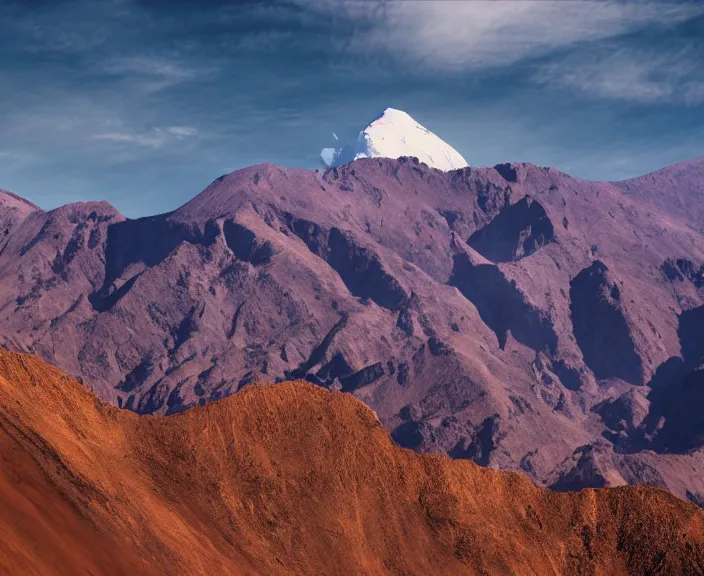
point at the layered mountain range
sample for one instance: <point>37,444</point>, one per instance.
<point>513,315</point>
<point>291,479</point>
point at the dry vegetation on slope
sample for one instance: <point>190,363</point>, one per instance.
<point>291,479</point>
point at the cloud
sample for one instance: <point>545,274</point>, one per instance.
<point>181,132</point>
<point>69,27</point>
<point>643,76</point>
<point>449,35</point>
<point>150,66</point>
<point>147,75</point>
<point>154,72</point>
<point>14,158</point>
<point>155,138</point>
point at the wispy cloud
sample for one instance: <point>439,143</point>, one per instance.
<point>181,92</point>
<point>14,158</point>
<point>452,35</point>
<point>155,138</point>
<point>91,73</point>
<point>644,76</point>
<point>91,24</point>
<point>151,66</point>
<point>154,73</point>
<point>181,132</point>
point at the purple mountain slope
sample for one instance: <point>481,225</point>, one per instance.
<point>13,210</point>
<point>676,191</point>
<point>512,315</point>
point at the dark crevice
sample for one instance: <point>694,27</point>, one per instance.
<point>507,172</point>
<point>485,440</point>
<point>363,377</point>
<point>148,241</point>
<point>235,320</point>
<point>136,376</point>
<point>410,434</point>
<point>363,273</point>
<point>336,368</point>
<point>502,306</point>
<point>518,231</point>
<point>600,326</point>
<point>186,328</point>
<point>153,400</point>
<point>359,268</point>
<point>245,245</point>
<point>314,236</point>
<point>681,269</point>
<point>101,302</point>
<point>318,352</point>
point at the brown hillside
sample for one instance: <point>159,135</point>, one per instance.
<point>291,479</point>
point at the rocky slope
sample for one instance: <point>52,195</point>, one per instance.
<point>13,210</point>
<point>512,315</point>
<point>291,479</point>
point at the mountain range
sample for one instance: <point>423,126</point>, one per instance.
<point>514,316</point>
<point>291,479</point>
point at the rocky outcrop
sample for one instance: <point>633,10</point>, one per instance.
<point>13,210</point>
<point>362,272</point>
<point>590,466</point>
<point>625,414</point>
<point>518,231</point>
<point>601,327</point>
<point>502,305</point>
<point>682,269</point>
<point>245,245</point>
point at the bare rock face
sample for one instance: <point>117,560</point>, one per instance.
<point>601,326</point>
<point>681,409</point>
<point>627,413</point>
<point>502,305</point>
<point>512,315</point>
<point>591,466</point>
<point>518,231</point>
<point>13,210</point>
<point>682,270</point>
<point>684,183</point>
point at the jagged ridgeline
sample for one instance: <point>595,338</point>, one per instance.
<point>512,315</point>
<point>291,479</point>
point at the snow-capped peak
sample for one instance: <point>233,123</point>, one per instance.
<point>395,134</point>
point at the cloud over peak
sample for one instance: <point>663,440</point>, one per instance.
<point>450,35</point>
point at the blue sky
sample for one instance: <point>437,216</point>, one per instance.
<point>144,102</point>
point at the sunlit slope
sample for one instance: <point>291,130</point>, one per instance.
<point>291,479</point>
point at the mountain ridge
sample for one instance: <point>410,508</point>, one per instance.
<point>291,479</point>
<point>465,307</point>
<point>697,163</point>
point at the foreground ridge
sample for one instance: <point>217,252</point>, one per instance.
<point>291,479</point>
